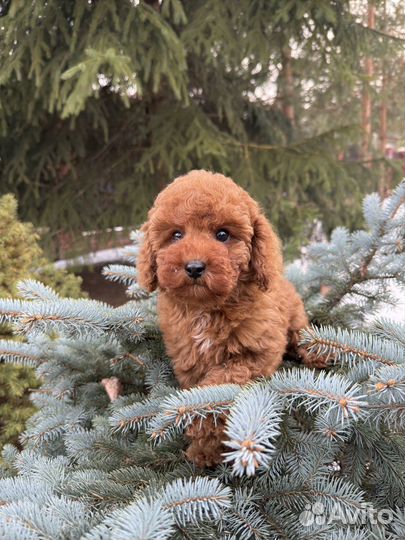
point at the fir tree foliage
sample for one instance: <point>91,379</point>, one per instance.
<point>309,454</point>
<point>107,101</point>
<point>344,279</point>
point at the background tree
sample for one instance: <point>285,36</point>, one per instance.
<point>21,257</point>
<point>102,103</point>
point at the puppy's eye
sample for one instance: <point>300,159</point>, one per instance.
<point>177,235</point>
<point>222,235</point>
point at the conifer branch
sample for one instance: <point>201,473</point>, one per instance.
<point>180,409</point>
<point>328,490</point>
<point>184,502</point>
<point>389,384</point>
<point>348,276</point>
<point>252,428</point>
<point>343,346</point>
<point>19,353</point>
<point>200,499</point>
<point>244,518</point>
<point>388,329</point>
<point>120,273</point>
<point>315,391</point>
<point>361,274</point>
<point>10,310</point>
<point>134,417</point>
<point>31,289</point>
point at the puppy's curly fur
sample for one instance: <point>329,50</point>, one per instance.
<point>235,322</point>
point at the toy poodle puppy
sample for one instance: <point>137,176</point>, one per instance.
<point>226,312</point>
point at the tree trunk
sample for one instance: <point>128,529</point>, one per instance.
<point>287,85</point>
<point>384,180</point>
<point>366,102</point>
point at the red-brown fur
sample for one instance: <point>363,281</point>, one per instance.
<point>242,316</point>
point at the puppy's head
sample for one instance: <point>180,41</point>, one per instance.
<point>204,236</point>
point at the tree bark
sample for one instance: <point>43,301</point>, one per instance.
<point>366,101</point>
<point>287,85</point>
<point>384,181</point>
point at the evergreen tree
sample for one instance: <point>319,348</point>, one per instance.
<point>374,95</point>
<point>107,101</point>
<point>21,257</point>
<point>311,454</point>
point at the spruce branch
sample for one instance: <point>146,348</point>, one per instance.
<point>303,455</point>
<point>196,500</point>
<point>157,374</point>
<point>18,488</point>
<point>130,252</point>
<point>183,502</point>
<point>30,289</point>
<point>31,519</point>
<point>388,329</point>
<point>81,319</point>
<point>78,318</point>
<point>388,384</point>
<point>380,229</point>
<point>129,320</point>
<point>103,488</point>
<point>90,446</point>
<point>349,347</point>
<point>120,273</point>
<point>387,414</point>
<point>127,356</point>
<point>45,427</point>
<point>27,517</point>
<point>50,470</point>
<point>330,425</point>
<point>398,524</point>
<point>244,518</point>
<point>252,427</point>
<point>348,276</point>
<point>19,353</point>
<point>10,310</point>
<point>329,491</point>
<point>96,487</point>
<point>134,417</point>
<point>179,410</point>
<point>147,520</point>
<point>326,391</point>
<point>136,292</point>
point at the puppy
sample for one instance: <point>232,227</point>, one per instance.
<point>226,312</point>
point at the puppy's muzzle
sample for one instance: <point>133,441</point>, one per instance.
<point>195,269</point>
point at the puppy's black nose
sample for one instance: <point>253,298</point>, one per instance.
<point>195,269</point>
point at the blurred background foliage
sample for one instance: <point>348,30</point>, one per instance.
<point>103,103</point>
<point>21,257</point>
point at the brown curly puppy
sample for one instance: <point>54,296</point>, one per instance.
<point>226,312</point>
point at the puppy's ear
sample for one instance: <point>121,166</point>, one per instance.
<point>146,262</point>
<point>266,262</point>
